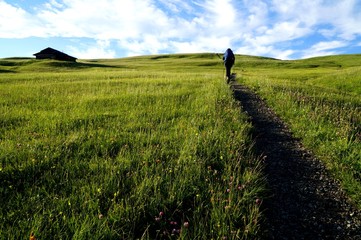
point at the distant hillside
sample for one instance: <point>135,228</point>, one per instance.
<point>200,59</point>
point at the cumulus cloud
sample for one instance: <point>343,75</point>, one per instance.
<point>101,49</point>
<point>267,27</point>
<point>103,19</point>
<point>324,48</point>
<point>15,22</point>
<point>321,46</point>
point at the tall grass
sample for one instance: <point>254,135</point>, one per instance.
<point>320,100</point>
<point>124,149</point>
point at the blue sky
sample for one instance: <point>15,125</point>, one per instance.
<point>284,29</point>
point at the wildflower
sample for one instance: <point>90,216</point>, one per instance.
<point>161,213</point>
<point>240,187</point>
<point>100,216</point>
<point>175,231</point>
<point>258,201</point>
<point>32,236</point>
<point>157,219</point>
<point>186,224</point>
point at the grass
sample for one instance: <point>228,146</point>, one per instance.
<point>320,100</point>
<point>146,147</point>
<point>156,147</point>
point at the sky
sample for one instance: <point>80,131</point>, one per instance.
<point>91,29</point>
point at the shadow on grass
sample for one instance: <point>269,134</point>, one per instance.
<point>25,62</point>
<point>6,71</point>
<point>80,65</point>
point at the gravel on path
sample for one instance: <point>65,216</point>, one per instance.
<point>304,201</point>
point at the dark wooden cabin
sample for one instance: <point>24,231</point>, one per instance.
<point>50,53</point>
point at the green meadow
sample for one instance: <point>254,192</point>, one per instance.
<point>146,147</point>
<point>320,100</point>
<point>156,147</point>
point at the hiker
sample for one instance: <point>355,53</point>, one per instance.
<point>228,59</point>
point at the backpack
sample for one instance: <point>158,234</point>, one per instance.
<point>228,56</point>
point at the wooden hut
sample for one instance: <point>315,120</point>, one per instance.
<point>50,53</point>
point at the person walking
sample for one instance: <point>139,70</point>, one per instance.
<point>228,59</point>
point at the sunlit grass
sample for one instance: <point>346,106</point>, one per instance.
<point>124,149</point>
<point>155,146</point>
<point>320,99</point>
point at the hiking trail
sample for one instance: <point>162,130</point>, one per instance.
<point>304,201</point>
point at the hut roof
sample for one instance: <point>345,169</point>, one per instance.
<point>50,53</point>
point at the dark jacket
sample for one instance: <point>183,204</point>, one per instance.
<point>228,57</point>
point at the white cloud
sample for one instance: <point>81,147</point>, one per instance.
<point>177,6</point>
<point>265,27</point>
<point>341,17</point>
<point>104,19</point>
<point>257,16</point>
<point>100,50</point>
<point>304,11</point>
<point>16,22</point>
<point>260,50</point>
<point>321,46</point>
<point>221,15</point>
<point>283,31</point>
<point>310,54</point>
<point>149,44</point>
<point>53,4</point>
<point>203,44</point>
<point>324,48</point>
<point>344,17</point>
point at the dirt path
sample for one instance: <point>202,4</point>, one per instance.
<point>305,202</point>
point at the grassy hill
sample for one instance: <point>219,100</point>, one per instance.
<point>144,147</point>
<point>155,146</point>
